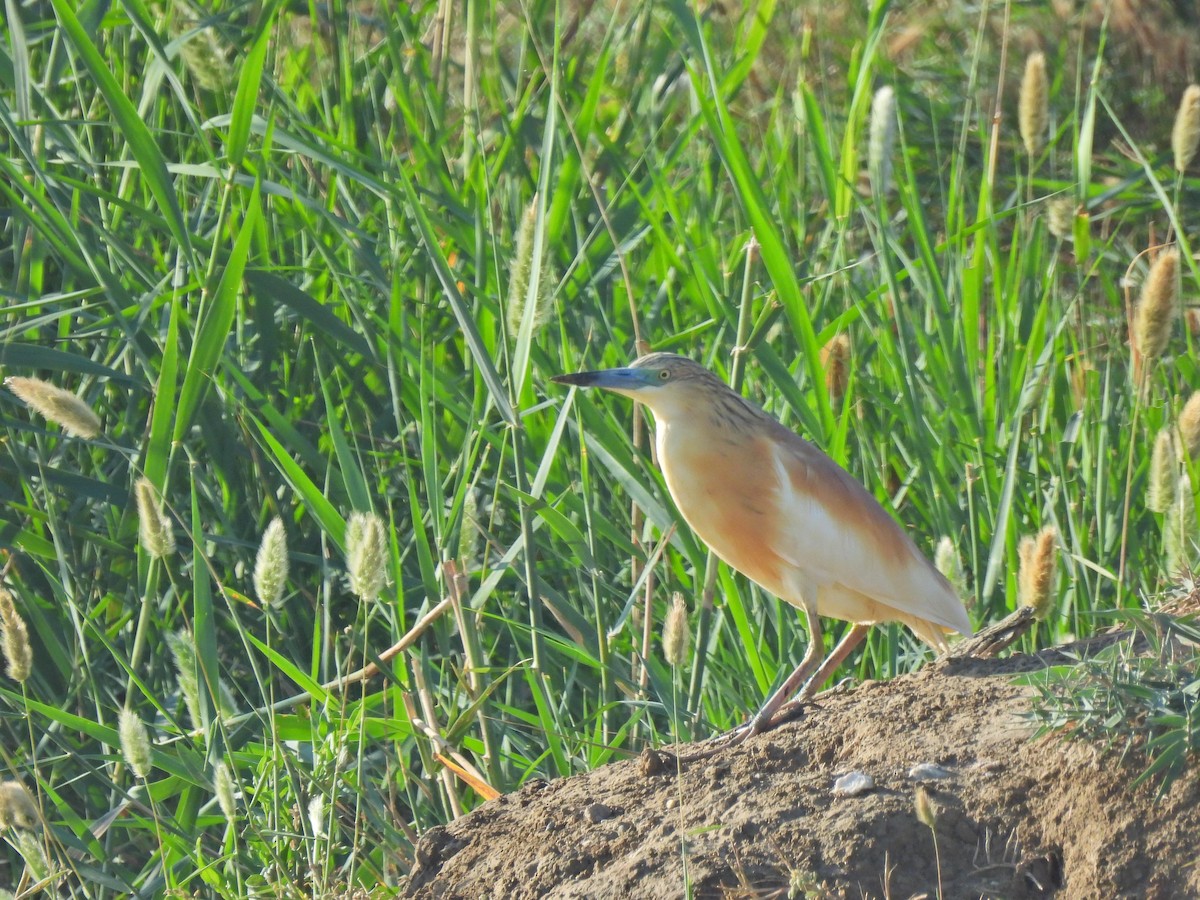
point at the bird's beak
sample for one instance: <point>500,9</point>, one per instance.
<point>610,379</point>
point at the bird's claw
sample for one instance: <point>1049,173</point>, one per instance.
<point>718,742</point>
<point>738,735</point>
<point>759,725</point>
<point>733,736</point>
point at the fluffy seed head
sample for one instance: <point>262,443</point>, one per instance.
<point>946,561</point>
<point>1035,578</point>
<point>835,359</point>
<point>1189,425</point>
<point>226,795</point>
<point>271,565</point>
<point>366,555</point>
<point>1157,306</point>
<point>926,810</point>
<point>470,529</point>
<point>202,53</point>
<point>29,845</point>
<point>154,528</point>
<point>676,632</point>
<point>1192,318</point>
<point>17,809</point>
<point>14,636</point>
<point>1179,529</point>
<point>56,405</point>
<point>522,266</point>
<point>316,815</point>
<point>881,138</point>
<point>1164,473</point>
<point>1033,107</point>
<point>1185,136</point>
<point>184,654</point>
<point>522,272</point>
<point>1060,217</point>
<point>135,742</point>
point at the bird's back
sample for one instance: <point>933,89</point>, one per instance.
<point>838,531</point>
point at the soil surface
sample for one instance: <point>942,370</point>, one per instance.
<point>1015,817</point>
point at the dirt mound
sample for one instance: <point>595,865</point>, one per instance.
<point>1015,817</point>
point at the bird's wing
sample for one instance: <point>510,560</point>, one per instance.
<point>830,527</point>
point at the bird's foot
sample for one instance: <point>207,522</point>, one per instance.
<point>759,724</point>
<point>718,742</point>
<point>733,736</point>
<point>789,712</point>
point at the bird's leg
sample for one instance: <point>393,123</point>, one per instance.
<point>845,647</point>
<point>764,718</point>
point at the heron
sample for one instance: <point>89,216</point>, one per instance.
<point>780,511</point>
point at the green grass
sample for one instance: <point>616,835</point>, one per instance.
<point>281,276</point>
<point>1137,695</point>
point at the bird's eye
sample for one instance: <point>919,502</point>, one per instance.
<point>663,374</point>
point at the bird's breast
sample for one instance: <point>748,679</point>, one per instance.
<point>727,488</point>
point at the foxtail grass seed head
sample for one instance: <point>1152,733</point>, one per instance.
<point>1081,373</point>
<point>202,53</point>
<point>29,845</point>
<point>470,529</point>
<point>271,565</point>
<point>1189,425</point>
<point>184,654</point>
<point>677,635</point>
<point>154,528</point>
<point>226,794</point>
<point>14,636</point>
<point>946,561</point>
<point>881,138</point>
<point>1192,318</point>
<point>1033,106</point>
<point>1157,306</point>
<point>366,555</point>
<point>1060,218</point>
<point>835,359</point>
<point>17,809</point>
<point>135,742</point>
<point>1039,563</point>
<point>1185,136</point>
<point>56,405</point>
<point>1179,529</point>
<point>522,272</point>
<point>522,266</point>
<point>1164,473</point>
<point>316,815</point>
<point>926,810</point>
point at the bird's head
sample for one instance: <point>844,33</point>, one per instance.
<point>663,381</point>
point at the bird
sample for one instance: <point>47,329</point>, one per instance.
<point>777,509</point>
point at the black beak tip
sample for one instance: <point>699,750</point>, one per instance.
<point>577,379</point>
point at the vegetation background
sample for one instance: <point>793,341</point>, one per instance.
<point>305,260</point>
